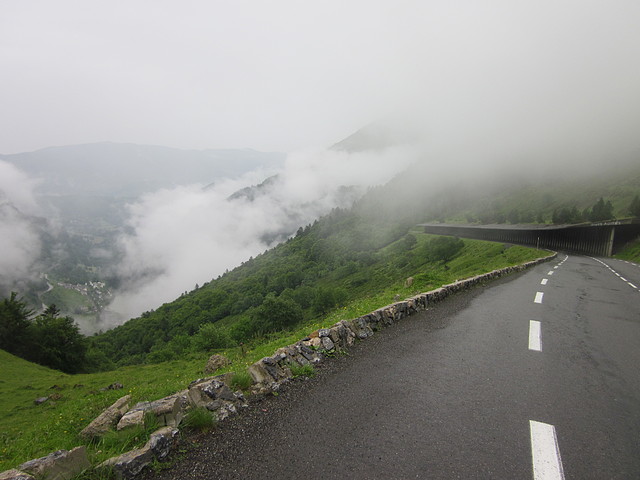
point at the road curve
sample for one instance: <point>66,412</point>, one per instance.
<point>532,376</point>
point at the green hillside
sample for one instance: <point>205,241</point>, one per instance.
<point>30,431</point>
<point>351,253</point>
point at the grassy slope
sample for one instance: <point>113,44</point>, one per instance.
<point>631,252</point>
<point>29,431</point>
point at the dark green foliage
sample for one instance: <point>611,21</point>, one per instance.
<point>326,298</point>
<point>58,342</point>
<point>513,216</point>
<point>601,210</point>
<point>48,339</point>
<point>567,215</point>
<point>634,208</point>
<point>443,249</point>
<point>15,320</point>
<point>276,313</point>
<point>171,350</point>
<point>211,337</point>
<point>302,295</point>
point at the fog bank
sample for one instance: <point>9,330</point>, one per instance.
<point>19,239</point>
<point>188,235</point>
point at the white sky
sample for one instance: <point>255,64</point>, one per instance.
<point>285,75</point>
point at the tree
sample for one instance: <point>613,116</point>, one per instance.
<point>601,211</point>
<point>210,337</point>
<point>58,341</point>
<point>15,322</point>
<point>634,208</point>
<point>566,215</point>
<point>276,313</point>
<point>513,216</point>
<point>326,298</point>
<point>443,248</point>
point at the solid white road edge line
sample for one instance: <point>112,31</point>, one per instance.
<point>538,298</point>
<point>616,273</point>
<point>535,341</point>
<point>545,453</point>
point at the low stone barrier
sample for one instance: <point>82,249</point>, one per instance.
<point>215,394</point>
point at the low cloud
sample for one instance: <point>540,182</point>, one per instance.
<point>19,238</point>
<point>187,235</point>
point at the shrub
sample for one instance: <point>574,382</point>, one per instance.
<point>276,313</point>
<point>241,380</point>
<point>199,419</point>
<point>443,248</point>
<point>210,337</point>
<point>302,370</point>
<point>326,298</point>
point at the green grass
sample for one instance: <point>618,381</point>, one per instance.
<point>302,370</point>
<point>199,419</point>
<point>28,431</point>
<point>631,252</point>
<point>66,299</point>
<point>241,380</point>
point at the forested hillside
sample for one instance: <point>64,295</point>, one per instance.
<point>350,254</point>
<point>324,265</point>
<point>345,255</point>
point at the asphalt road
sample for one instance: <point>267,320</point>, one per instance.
<point>464,390</point>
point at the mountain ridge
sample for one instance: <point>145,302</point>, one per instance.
<point>129,169</point>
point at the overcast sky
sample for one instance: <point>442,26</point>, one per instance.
<point>286,75</point>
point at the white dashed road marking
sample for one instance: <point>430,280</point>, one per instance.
<point>538,298</point>
<point>545,452</point>
<point>544,281</point>
<point>535,340</point>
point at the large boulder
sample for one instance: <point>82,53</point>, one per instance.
<point>163,442</point>
<point>129,464</point>
<point>60,465</point>
<point>169,411</point>
<point>216,362</point>
<point>215,395</point>
<point>107,420</point>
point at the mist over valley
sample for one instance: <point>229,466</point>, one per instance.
<point>125,228</point>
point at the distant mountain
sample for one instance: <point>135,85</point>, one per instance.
<point>124,169</point>
<point>377,136</point>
